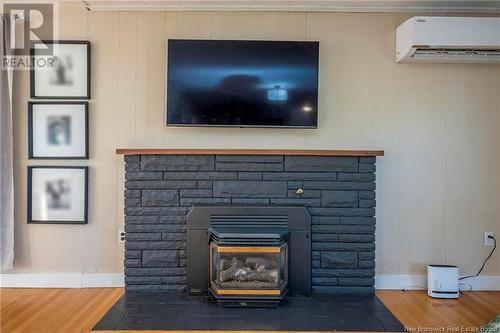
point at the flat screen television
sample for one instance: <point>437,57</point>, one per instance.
<point>242,83</point>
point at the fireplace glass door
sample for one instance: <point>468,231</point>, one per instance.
<point>240,270</point>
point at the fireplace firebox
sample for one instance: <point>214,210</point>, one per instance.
<point>248,262</point>
<point>249,255</point>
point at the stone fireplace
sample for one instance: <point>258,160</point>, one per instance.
<point>337,190</point>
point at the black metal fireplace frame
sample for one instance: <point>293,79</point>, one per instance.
<point>299,224</point>
<point>257,237</point>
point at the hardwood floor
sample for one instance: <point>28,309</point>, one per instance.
<point>78,310</point>
<point>418,311</point>
<point>54,310</point>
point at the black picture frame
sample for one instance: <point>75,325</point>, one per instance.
<point>30,195</point>
<point>31,137</point>
<point>33,71</point>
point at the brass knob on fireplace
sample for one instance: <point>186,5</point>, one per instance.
<point>299,191</point>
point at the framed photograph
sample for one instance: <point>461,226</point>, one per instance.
<point>57,194</point>
<point>58,130</point>
<point>63,75</point>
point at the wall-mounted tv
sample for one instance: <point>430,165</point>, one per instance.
<point>242,83</point>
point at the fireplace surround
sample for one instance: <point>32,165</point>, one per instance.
<point>336,188</point>
<point>230,200</point>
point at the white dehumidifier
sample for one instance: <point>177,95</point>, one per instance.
<point>442,281</point>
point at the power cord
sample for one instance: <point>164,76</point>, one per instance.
<point>413,287</point>
<point>465,292</point>
<point>484,262</point>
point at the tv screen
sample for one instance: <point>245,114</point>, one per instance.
<point>242,83</point>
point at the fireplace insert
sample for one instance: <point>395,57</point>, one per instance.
<point>248,264</point>
<point>248,255</point>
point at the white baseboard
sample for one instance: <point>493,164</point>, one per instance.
<point>411,282</point>
<point>99,280</point>
<point>419,282</point>
<point>61,280</point>
<point>103,280</point>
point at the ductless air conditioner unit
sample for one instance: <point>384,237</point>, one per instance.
<point>449,39</point>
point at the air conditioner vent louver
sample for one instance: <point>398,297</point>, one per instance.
<point>449,39</point>
<point>458,53</point>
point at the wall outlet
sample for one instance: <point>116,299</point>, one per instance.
<point>488,241</point>
<point>121,236</point>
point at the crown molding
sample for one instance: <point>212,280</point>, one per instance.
<point>359,6</point>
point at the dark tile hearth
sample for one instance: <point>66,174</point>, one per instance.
<point>169,311</point>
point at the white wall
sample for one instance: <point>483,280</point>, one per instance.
<point>438,187</point>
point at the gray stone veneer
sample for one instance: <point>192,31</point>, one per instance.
<point>339,193</point>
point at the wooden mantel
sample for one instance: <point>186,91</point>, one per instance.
<point>363,152</point>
